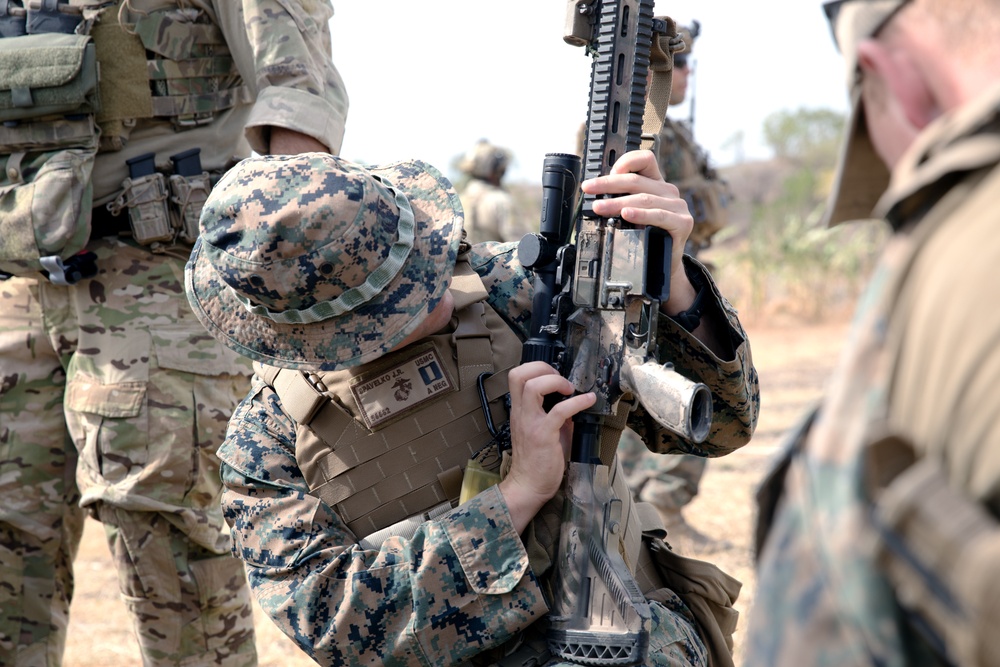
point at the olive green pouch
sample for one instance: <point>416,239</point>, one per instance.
<point>47,74</point>
<point>48,144</point>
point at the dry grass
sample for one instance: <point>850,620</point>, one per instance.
<point>793,362</point>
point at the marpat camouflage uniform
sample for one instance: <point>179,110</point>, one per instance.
<point>113,396</point>
<point>462,584</point>
<point>921,364</point>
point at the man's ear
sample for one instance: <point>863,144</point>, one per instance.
<point>903,79</point>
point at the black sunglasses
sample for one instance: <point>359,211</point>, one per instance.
<point>832,10</point>
<point>680,60</point>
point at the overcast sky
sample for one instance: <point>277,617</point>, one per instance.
<point>427,78</point>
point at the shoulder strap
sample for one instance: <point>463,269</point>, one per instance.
<point>299,397</point>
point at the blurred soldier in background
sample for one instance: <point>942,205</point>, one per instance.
<point>879,529</point>
<point>488,206</point>
<point>113,397</point>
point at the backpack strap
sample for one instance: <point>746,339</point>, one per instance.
<point>661,68</point>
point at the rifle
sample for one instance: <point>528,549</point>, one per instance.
<point>594,318</point>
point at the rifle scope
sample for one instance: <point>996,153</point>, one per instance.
<point>540,252</point>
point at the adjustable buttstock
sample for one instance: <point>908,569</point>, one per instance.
<point>599,614</point>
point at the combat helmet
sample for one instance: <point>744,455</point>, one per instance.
<point>486,161</point>
<point>689,34</point>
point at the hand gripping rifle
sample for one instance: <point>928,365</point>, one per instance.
<point>594,318</point>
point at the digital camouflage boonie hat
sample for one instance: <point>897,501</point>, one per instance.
<point>312,262</point>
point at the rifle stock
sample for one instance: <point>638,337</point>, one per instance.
<point>594,318</point>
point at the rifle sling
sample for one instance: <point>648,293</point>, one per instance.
<point>661,68</point>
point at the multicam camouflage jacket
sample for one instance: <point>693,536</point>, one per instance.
<point>839,580</point>
<point>462,584</point>
<point>205,76</point>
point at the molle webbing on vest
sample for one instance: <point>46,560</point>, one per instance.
<point>472,338</point>
<point>165,66</point>
<point>28,136</point>
<point>376,479</point>
<point>192,72</point>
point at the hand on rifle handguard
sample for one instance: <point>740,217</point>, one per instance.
<point>646,199</point>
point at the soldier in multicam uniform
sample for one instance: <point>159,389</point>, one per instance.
<point>489,208</point>
<point>880,529</point>
<point>671,482</point>
<point>114,399</point>
<point>384,347</point>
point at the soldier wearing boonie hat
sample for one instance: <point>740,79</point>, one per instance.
<point>292,270</point>
<point>879,531</point>
<point>372,415</point>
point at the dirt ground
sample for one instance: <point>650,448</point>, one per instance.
<point>793,363</point>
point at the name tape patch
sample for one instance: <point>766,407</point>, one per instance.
<point>388,393</point>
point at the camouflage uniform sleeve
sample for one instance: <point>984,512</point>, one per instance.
<point>299,88</point>
<point>459,586</point>
<point>733,383</point>
<point>508,283</point>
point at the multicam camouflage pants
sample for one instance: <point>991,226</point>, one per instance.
<point>667,481</point>
<point>113,398</point>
